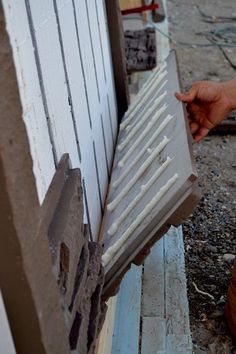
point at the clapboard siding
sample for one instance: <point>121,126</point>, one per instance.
<point>62,56</point>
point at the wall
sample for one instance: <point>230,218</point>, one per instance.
<point>64,71</point>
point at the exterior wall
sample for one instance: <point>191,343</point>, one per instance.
<point>64,71</point>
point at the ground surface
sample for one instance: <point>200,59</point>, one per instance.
<point>210,233</point>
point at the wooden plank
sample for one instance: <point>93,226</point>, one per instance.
<point>6,342</point>
<point>127,320</point>
<point>177,311</point>
<point>94,94</point>
<point>153,299</point>
<point>80,105</point>
<point>118,56</point>
<point>104,344</point>
<point>179,344</point>
<point>44,26</point>
<point>154,336</point>
<point>130,4</point>
<point>101,72</point>
<point>33,111</point>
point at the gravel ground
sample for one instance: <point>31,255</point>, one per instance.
<point>210,233</point>
<point>210,243</point>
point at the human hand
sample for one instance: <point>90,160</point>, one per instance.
<point>208,103</point>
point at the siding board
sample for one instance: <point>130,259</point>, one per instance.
<point>31,96</point>
<point>46,32</point>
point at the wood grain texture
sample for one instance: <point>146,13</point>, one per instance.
<point>153,335</point>
<point>153,299</point>
<point>104,344</point>
<point>166,302</point>
<point>176,302</point>
<point>126,331</point>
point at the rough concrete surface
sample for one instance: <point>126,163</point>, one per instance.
<point>210,231</point>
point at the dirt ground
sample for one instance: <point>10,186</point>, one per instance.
<point>210,233</point>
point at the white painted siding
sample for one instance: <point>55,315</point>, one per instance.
<point>63,62</point>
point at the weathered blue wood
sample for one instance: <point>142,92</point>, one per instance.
<point>127,320</point>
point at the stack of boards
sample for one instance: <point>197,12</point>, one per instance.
<point>153,183</point>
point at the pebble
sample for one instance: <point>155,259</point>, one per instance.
<point>228,257</point>
<point>212,249</point>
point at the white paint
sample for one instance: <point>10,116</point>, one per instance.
<point>113,205</point>
<point>162,126</point>
<point>6,342</point>
<point>149,126</point>
<point>30,95</point>
<point>144,189</point>
<point>112,251</point>
<point>141,101</point>
<point>140,123</point>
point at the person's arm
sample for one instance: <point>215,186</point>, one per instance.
<point>208,103</point>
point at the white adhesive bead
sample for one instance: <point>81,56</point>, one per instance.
<point>145,131</point>
<point>162,126</point>
<point>140,123</point>
<point>146,86</point>
<point>111,206</point>
<point>137,105</point>
<point>143,190</point>
<point>113,250</point>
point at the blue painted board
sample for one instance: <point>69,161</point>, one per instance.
<point>127,320</point>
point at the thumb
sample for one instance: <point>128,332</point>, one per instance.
<point>186,97</point>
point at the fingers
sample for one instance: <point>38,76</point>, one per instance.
<point>200,134</point>
<point>194,127</point>
<point>187,97</point>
